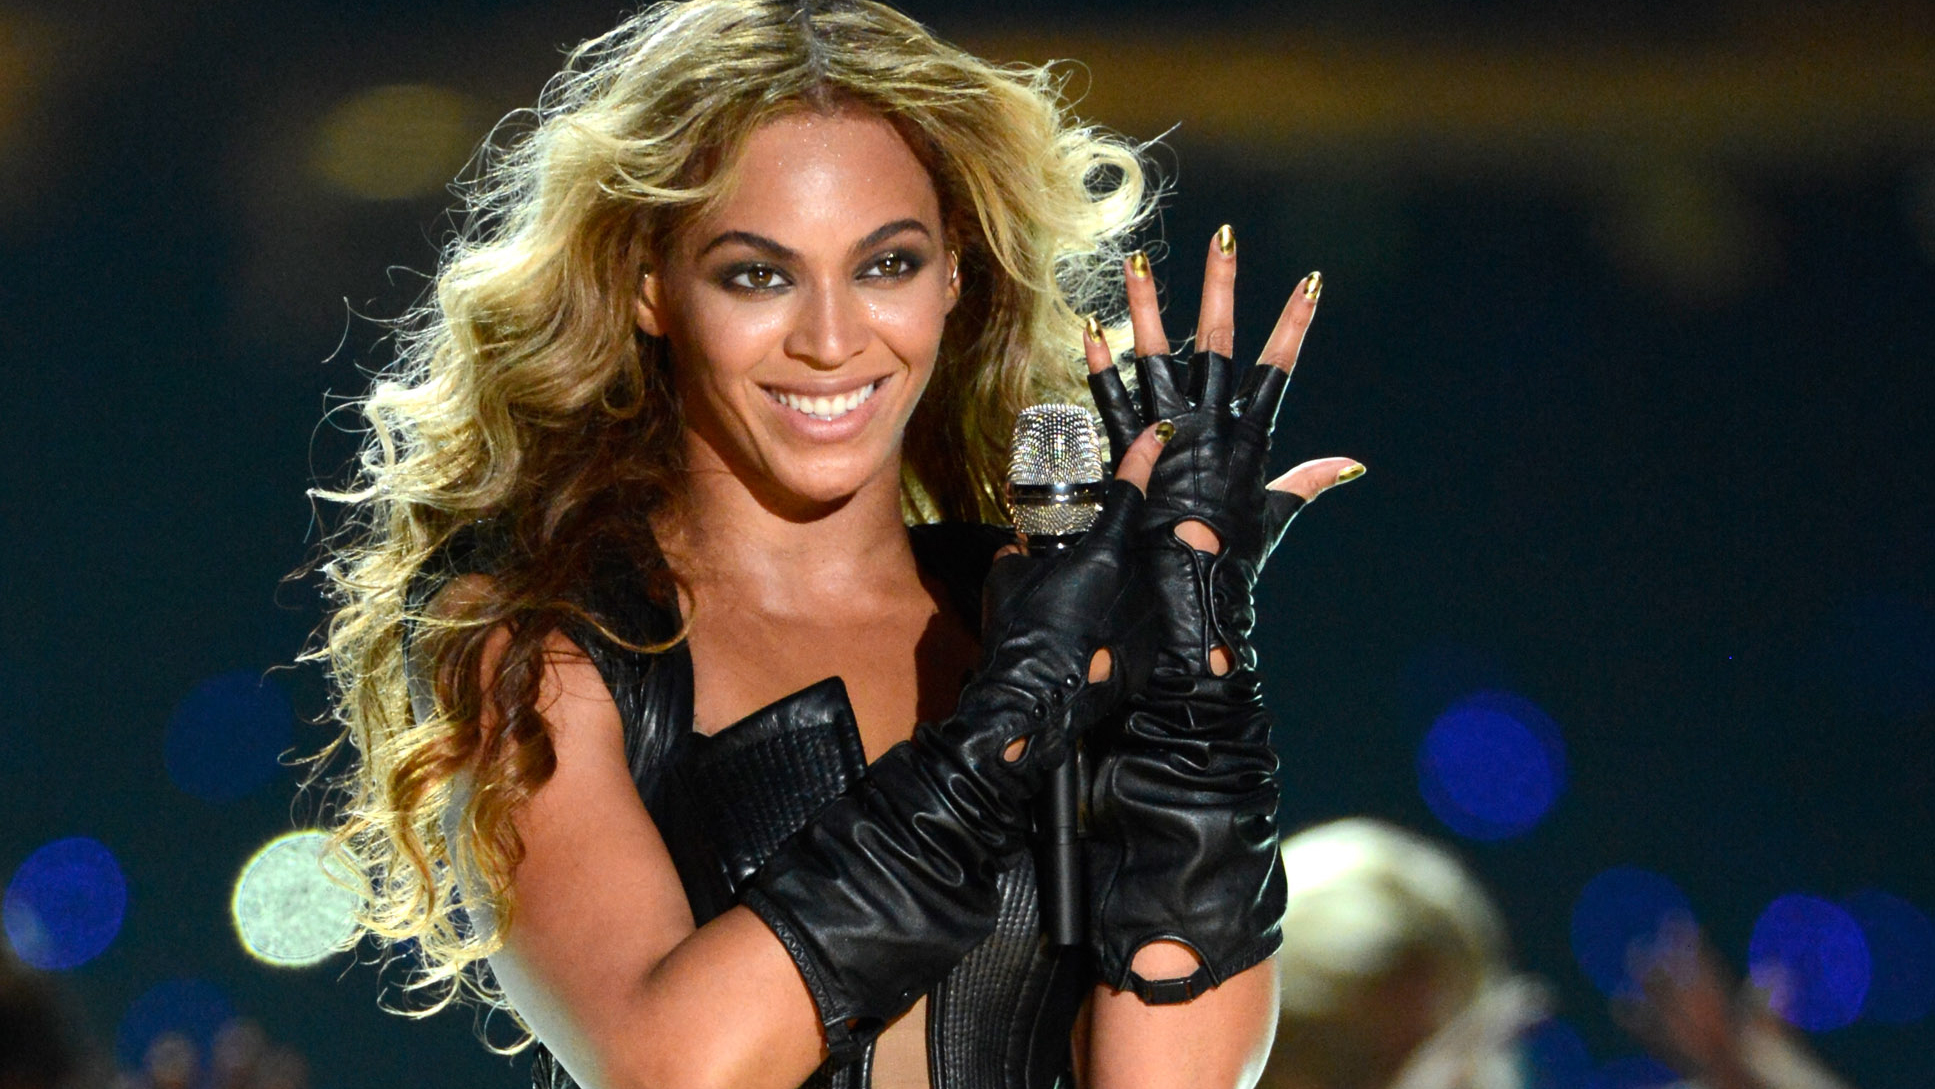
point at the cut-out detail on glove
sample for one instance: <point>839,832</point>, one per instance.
<point>893,882</point>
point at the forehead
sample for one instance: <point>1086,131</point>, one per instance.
<point>807,175</point>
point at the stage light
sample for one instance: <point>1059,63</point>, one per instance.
<point>1632,1072</point>
<point>1623,905</point>
<point>65,904</point>
<point>190,1007</point>
<point>1901,944</point>
<point>1491,766</point>
<point>396,142</point>
<point>1555,1056</point>
<point>226,738</point>
<point>1810,955</point>
<point>287,910</point>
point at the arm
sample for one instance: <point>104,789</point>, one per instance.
<point>1216,1041</point>
<point>1186,884</point>
<point>602,960</point>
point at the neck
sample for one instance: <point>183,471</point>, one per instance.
<point>727,541</point>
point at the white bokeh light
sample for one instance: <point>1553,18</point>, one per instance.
<point>287,910</point>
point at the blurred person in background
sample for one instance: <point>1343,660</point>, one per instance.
<point>42,1047</point>
<point>240,1057</point>
<point>1394,968</point>
<point>1715,1034</point>
<point>632,634</point>
<point>38,1047</point>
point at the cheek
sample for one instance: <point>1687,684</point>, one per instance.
<point>913,323</point>
<point>718,341</point>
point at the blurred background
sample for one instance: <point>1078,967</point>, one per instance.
<point>1630,309</point>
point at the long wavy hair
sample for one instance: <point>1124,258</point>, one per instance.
<point>523,395</point>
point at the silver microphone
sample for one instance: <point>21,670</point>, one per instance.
<point>1055,478</point>
<point>1055,490</point>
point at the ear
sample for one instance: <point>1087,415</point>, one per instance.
<point>648,306</point>
<point>953,279</point>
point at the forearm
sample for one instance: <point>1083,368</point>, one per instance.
<point>1217,1041</point>
<point>724,1007</point>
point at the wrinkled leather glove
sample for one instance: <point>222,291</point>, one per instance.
<point>1182,840</point>
<point>890,884</point>
<point>1213,471</point>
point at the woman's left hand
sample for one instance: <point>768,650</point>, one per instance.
<point>1208,489</point>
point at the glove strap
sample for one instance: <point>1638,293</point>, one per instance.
<point>1171,992</point>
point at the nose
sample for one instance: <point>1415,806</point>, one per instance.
<point>831,327</point>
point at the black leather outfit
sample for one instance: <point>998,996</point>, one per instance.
<point>1001,1018</point>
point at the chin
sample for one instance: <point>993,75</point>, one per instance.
<point>830,481</point>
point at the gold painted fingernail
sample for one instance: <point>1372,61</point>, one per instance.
<point>1165,431</point>
<point>1093,327</point>
<point>1225,240</point>
<point>1313,286</point>
<point>1139,265</point>
<point>1350,474</point>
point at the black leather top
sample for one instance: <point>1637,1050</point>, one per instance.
<point>1001,1018</point>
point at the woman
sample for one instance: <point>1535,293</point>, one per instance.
<point>633,637</point>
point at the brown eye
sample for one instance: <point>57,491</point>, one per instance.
<point>755,278</point>
<point>893,266</point>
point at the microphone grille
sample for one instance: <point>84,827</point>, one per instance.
<point>1055,472</point>
<point>1055,444</point>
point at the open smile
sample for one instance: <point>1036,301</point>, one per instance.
<point>825,407</point>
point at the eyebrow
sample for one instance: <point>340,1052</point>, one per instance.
<point>766,245</point>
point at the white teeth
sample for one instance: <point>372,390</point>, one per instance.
<point>826,408</point>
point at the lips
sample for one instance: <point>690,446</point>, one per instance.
<point>826,407</point>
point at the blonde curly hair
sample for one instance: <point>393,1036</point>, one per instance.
<point>524,395</point>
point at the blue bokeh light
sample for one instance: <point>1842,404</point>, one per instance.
<point>1901,944</point>
<point>225,738</point>
<point>1631,1072</point>
<point>190,1007</point>
<point>1617,908</point>
<point>65,904</point>
<point>1492,766</point>
<point>1811,955</point>
<point>1555,1056</point>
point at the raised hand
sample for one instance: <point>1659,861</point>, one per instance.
<point>1209,492</point>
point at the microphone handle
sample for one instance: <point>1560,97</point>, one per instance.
<point>1059,882</point>
<point>1062,901</point>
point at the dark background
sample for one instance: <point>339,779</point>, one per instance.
<point>1629,310</point>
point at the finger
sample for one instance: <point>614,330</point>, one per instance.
<point>1261,395</point>
<point>1216,320</point>
<point>1145,311</point>
<point>1286,340</point>
<point>1139,460</point>
<point>1160,381</point>
<point>1113,402</point>
<point>1314,478</point>
<point>1279,507</point>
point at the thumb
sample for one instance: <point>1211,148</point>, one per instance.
<point>1314,478</point>
<point>1139,460</point>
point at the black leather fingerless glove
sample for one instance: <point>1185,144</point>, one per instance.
<point>1182,840</point>
<point>892,883</point>
<point>1213,470</point>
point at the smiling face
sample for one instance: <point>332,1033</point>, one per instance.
<point>804,312</point>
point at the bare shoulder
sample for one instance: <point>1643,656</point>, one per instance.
<point>596,897</point>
